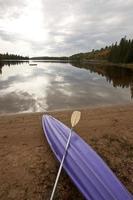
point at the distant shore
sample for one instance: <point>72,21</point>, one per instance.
<point>125,65</point>
<point>103,63</point>
<point>84,62</point>
<point>28,167</point>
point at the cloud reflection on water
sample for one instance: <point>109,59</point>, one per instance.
<point>49,86</point>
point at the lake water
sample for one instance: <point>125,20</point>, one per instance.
<point>54,86</point>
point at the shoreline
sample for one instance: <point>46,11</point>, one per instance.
<point>104,63</point>
<point>28,166</point>
<point>69,109</point>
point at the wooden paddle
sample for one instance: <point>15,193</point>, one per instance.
<point>74,120</point>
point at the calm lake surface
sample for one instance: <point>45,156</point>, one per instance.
<point>54,86</point>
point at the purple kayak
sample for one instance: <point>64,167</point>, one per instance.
<point>87,170</point>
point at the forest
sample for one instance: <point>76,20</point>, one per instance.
<point>121,52</point>
<point>7,56</point>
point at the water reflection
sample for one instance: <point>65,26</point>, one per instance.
<point>10,63</point>
<point>52,86</point>
<point>118,76</point>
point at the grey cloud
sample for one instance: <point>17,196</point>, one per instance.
<point>8,36</point>
<point>96,20</point>
<point>11,8</point>
<point>76,26</point>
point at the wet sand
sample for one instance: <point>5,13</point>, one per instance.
<point>28,167</point>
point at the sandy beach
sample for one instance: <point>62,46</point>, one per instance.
<point>28,167</point>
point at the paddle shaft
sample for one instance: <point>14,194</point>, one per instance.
<point>61,165</point>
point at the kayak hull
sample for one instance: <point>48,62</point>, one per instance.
<point>84,166</point>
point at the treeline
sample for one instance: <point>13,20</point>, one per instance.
<point>101,54</point>
<point>122,52</point>
<point>49,58</point>
<point>7,56</point>
<point>116,53</point>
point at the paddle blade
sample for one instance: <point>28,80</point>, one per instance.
<point>75,118</point>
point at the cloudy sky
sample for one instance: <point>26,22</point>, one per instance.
<point>62,27</point>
